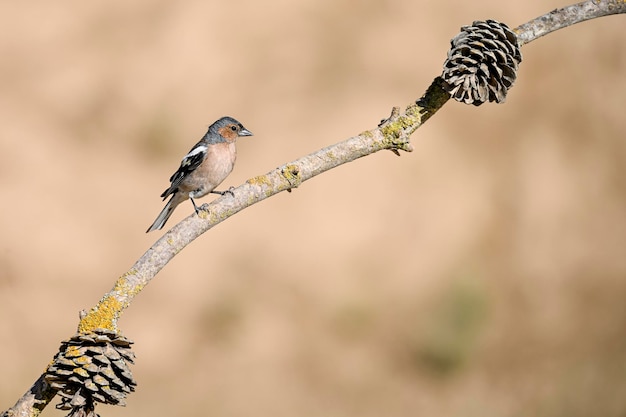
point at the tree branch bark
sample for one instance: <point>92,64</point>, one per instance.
<point>567,16</point>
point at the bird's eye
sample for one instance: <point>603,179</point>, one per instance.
<point>233,128</point>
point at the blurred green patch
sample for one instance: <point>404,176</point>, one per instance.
<point>447,340</point>
<point>353,320</point>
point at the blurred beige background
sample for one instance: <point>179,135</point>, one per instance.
<point>484,274</point>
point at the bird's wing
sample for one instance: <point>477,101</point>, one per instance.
<point>190,162</point>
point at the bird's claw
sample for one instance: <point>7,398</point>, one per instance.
<point>229,191</point>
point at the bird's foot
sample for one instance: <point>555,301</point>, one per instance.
<point>229,191</point>
<point>195,207</point>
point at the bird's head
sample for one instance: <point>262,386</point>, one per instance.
<point>226,129</point>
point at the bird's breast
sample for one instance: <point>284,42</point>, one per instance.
<point>217,164</point>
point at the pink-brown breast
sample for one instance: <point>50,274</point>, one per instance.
<point>219,162</point>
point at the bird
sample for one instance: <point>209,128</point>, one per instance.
<point>205,166</point>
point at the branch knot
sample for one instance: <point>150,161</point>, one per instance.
<point>291,173</point>
<point>398,127</point>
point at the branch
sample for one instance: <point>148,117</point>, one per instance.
<point>392,134</point>
<point>33,402</point>
<point>567,16</point>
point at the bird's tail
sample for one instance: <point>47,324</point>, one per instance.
<point>165,213</point>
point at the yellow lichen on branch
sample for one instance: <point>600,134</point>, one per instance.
<point>105,314</point>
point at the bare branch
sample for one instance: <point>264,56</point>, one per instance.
<point>33,402</point>
<point>567,16</point>
<point>393,134</point>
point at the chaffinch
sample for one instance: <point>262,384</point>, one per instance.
<point>206,165</point>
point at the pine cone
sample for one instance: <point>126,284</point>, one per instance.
<point>89,368</point>
<point>482,63</point>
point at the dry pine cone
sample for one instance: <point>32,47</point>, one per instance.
<point>482,63</point>
<point>92,367</point>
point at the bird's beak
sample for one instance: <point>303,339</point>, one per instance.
<point>245,132</point>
